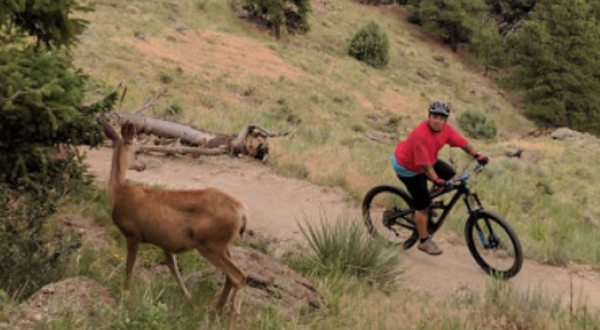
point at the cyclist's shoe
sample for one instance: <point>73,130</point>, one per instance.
<point>430,247</point>
<point>388,219</point>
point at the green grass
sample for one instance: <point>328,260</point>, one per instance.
<point>344,265</point>
<point>498,307</point>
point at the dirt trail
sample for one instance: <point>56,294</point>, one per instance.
<point>276,204</point>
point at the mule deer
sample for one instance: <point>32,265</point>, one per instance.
<point>177,221</point>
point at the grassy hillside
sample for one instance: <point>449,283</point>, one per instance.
<point>224,73</point>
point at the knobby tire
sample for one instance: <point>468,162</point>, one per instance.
<point>373,214</point>
<point>509,255</point>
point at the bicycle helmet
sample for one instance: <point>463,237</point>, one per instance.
<point>439,108</point>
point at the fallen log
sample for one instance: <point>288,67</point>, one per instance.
<point>187,134</point>
<point>251,141</point>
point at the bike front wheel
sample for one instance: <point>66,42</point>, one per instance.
<point>494,244</point>
<point>388,213</point>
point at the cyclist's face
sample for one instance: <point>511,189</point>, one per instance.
<point>437,122</point>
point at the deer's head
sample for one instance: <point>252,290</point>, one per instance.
<point>130,148</point>
<point>126,145</point>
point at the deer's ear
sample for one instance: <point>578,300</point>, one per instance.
<point>128,131</point>
<point>109,131</point>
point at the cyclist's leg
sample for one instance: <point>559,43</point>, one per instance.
<point>444,170</point>
<point>417,188</point>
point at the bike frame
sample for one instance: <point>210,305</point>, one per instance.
<point>462,190</point>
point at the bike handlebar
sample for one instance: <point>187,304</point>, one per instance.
<point>478,168</point>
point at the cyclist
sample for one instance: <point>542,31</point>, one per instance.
<point>415,160</point>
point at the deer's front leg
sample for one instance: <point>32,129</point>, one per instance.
<point>132,249</point>
<point>172,264</point>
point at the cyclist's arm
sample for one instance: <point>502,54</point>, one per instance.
<point>430,172</point>
<point>469,149</point>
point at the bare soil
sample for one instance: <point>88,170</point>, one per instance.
<point>276,204</point>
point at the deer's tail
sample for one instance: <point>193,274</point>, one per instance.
<point>244,220</point>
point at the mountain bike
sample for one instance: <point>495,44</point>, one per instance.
<point>388,213</point>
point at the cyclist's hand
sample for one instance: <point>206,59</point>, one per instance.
<point>440,184</point>
<point>481,159</point>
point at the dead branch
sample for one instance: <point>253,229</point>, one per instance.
<point>489,68</point>
<point>418,73</point>
<point>193,151</point>
<point>149,103</point>
<point>164,141</point>
<point>122,97</point>
<point>267,132</point>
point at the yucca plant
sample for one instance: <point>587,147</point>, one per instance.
<point>345,246</point>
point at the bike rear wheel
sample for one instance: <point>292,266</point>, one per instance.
<point>494,245</point>
<point>388,213</point>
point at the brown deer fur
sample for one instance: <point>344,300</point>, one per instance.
<point>207,220</point>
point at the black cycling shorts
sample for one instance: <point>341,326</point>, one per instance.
<point>417,185</point>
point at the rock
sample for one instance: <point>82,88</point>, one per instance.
<point>565,133</point>
<point>269,283</point>
<point>514,152</point>
<point>379,136</point>
<point>151,162</point>
<point>77,294</point>
<point>243,14</point>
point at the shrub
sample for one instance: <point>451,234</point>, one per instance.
<point>33,250</point>
<point>371,45</point>
<point>346,247</point>
<point>165,78</point>
<point>175,109</point>
<point>272,14</point>
<point>477,124</point>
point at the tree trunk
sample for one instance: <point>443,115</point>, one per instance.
<point>453,38</point>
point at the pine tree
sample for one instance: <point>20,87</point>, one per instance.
<point>488,45</point>
<point>273,14</point>
<point>556,60</point>
<point>47,21</point>
<point>41,107</point>
<point>41,92</point>
<point>454,21</point>
<point>509,13</point>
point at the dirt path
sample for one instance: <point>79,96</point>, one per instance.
<point>276,204</point>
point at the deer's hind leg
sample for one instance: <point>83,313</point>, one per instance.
<point>225,293</point>
<point>172,264</point>
<point>236,278</point>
